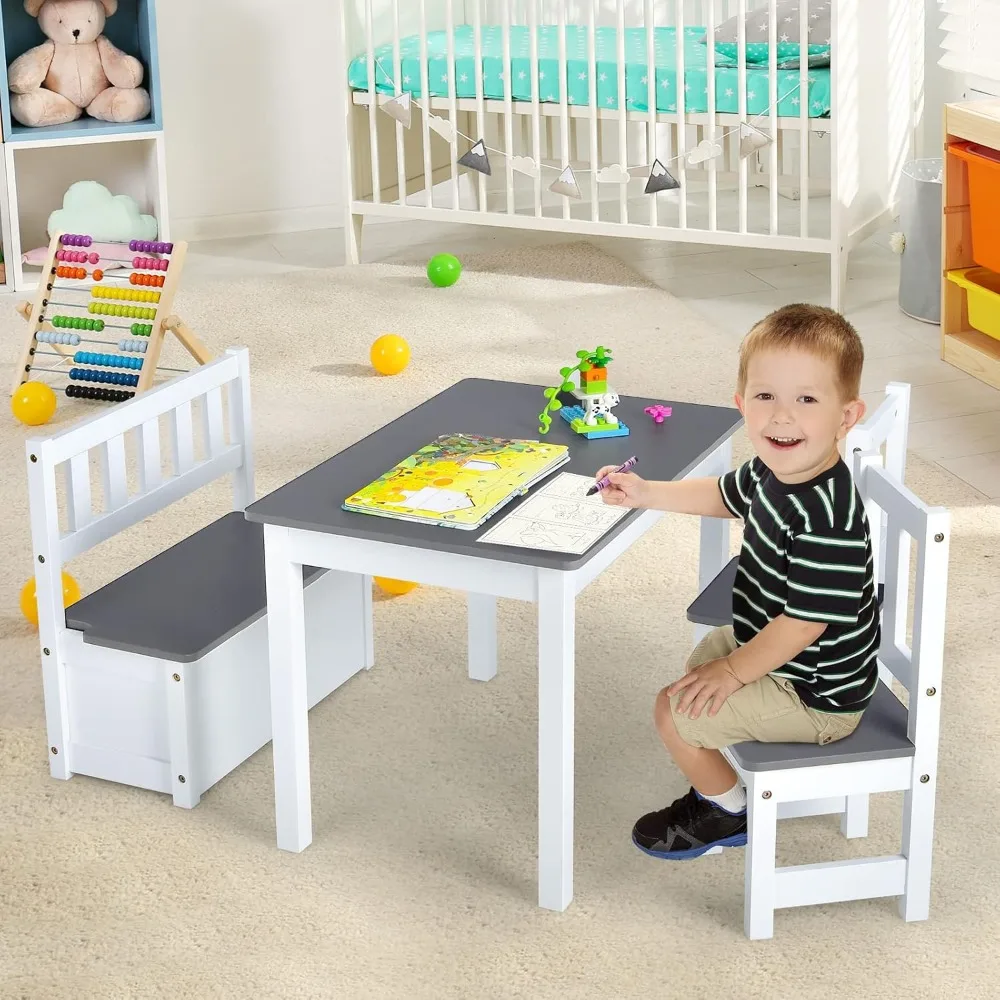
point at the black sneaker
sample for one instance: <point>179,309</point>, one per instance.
<point>689,827</point>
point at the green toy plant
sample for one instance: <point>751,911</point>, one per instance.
<point>598,358</point>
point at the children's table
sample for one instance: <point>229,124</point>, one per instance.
<point>305,524</point>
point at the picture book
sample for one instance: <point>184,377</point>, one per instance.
<point>458,480</point>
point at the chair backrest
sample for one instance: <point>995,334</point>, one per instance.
<point>917,665</point>
<point>106,436</point>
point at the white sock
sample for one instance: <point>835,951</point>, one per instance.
<point>733,801</point>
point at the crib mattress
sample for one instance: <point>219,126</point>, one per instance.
<point>578,70</point>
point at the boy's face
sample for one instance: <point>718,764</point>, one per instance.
<point>794,413</point>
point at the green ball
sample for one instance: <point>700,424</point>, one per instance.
<point>444,269</point>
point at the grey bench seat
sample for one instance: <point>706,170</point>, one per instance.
<point>881,734</point>
<point>185,601</point>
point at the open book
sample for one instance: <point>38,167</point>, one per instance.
<point>458,480</point>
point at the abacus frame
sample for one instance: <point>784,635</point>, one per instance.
<point>165,321</point>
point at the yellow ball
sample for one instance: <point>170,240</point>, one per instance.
<point>29,601</point>
<point>33,403</point>
<point>390,354</point>
<point>394,586</point>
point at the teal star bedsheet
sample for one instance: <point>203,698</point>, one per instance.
<point>578,70</point>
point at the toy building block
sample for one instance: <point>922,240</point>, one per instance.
<point>593,418</point>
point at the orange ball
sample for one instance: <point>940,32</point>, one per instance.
<point>98,275</point>
<point>33,403</point>
<point>395,587</point>
<point>390,354</point>
<point>29,600</point>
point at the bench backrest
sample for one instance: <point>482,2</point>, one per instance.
<point>134,484</point>
<point>918,665</point>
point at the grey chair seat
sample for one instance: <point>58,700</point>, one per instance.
<point>185,601</point>
<point>881,734</point>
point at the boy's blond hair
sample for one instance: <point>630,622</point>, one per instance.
<point>816,329</point>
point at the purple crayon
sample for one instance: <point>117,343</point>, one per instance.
<point>604,481</point>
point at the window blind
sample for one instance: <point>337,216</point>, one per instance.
<point>971,42</point>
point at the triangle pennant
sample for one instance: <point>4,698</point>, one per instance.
<point>661,179</point>
<point>566,184</point>
<point>400,109</point>
<point>442,126</point>
<point>477,159</point>
<point>752,139</point>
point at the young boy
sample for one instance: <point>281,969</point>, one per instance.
<point>799,662</point>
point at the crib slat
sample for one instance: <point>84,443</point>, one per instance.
<point>79,505</point>
<point>772,97</point>
<point>741,72</point>
<point>508,114</point>
<point>536,86</point>
<point>397,78</point>
<point>622,107</point>
<point>425,98</point>
<point>452,102</point>
<point>113,473</point>
<point>649,19</point>
<point>595,149</point>
<point>804,133</point>
<point>564,102</point>
<point>211,418</point>
<point>681,121</point>
<point>713,164</point>
<point>182,438</point>
<point>477,24</point>
<point>150,463</point>
<point>372,104</point>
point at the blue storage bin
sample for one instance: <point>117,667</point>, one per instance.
<point>132,29</point>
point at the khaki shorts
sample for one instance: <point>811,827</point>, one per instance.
<point>767,710</point>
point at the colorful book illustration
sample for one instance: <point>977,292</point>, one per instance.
<point>458,480</point>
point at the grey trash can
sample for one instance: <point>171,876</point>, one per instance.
<point>919,241</point>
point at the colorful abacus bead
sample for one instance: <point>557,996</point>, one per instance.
<point>95,392</point>
<point>145,246</point>
<point>78,323</point>
<point>67,339</point>
<point>110,360</point>
<point>72,256</point>
<point>155,280</point>
<point>75,240</point>
<point>150,263</point>
<point>98,275</point>
<point>132,312</point>
<point>77,273</point>
<point>129,294</point>
<point>111,378</point>
<point>141,330</point>
<point>137,346</point>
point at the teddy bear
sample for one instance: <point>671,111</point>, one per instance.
<point>76,70</point>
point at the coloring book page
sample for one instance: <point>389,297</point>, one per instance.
<point>560,517</point>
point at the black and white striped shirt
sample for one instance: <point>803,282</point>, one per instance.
<point>807,554</point>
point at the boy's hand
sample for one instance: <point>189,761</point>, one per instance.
<point>626,489</point>
<point>707,685</point>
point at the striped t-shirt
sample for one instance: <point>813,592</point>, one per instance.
<point>807,554</point>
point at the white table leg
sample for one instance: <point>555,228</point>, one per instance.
<point>714,551</point>
<point>556,668</point>
<point>286,637</point>
<point>482,637</point>
<point>369,623</point>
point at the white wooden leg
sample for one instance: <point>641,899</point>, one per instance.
<point>838,279</point>
<point>714,549</point>
<point>811,807</point>
<point>185,782</point>
<point>15,269</point>
<point>352,237</point>
<point>556,665</point>
<point>369,622</point>
<point>289,698</point>
<point>918,841</point>
<point>759,881</point>
<point>482,637</point>
<point>854,822</point>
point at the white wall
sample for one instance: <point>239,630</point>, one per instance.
<point>252,127</point>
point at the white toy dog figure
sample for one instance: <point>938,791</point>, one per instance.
<point>601,406</point>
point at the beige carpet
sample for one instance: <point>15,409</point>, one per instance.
<point>420,882</point>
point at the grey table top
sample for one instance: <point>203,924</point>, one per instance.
<point>313,501</point>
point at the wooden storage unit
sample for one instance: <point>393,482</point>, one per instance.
<point>962,345</point>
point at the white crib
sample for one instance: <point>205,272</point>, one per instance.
<point>825,181</point>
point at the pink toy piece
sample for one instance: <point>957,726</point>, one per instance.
<point>658,412</point>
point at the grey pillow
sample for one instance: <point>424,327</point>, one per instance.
<point>788,30</point>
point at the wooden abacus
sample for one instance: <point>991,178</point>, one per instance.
<point>143,293</point>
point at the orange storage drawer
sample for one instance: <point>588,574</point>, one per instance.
<point>984,200</point>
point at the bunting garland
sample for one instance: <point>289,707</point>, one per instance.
<point>752,140</point>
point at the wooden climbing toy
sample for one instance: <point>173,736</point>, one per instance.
<point>127,312</point>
